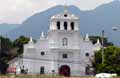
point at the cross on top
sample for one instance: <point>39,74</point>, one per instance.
<point>65,6</point>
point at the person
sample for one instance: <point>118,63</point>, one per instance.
<point>22,70</point>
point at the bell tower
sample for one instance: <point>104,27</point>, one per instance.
<point>64,21</point>
<point>64,30</point>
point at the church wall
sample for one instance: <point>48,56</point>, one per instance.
<point>55,39</point>
<point>76,69</point>
<point>63,46</point>
<point>33,65</point>
<point>30,52</point>
<point>87,48</point>
<point>73,61</point>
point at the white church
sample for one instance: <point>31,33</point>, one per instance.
<point>64,51</point>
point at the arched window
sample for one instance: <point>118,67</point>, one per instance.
<point>65,25</point>
<point>72,25</point>
<point>58,25</point>
<point>65,42</point>
<point>42,70</point>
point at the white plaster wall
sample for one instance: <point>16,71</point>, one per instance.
<point>53,48</point>
<point>55,39</point>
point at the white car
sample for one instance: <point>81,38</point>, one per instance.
<point>103,75</point>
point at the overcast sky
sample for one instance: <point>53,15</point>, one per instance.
<point>16,11</point>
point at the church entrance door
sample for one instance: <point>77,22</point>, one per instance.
<point>64,70</point>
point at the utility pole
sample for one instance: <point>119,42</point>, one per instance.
<point>0,45</point>
<point>102,39</point>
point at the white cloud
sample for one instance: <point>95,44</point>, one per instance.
<point>16,11</point>
<point>89,4</point>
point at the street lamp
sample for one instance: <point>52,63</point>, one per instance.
<point>102,39</point>
<point>114,28</point>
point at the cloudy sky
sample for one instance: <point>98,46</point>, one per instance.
<point>16,11</point>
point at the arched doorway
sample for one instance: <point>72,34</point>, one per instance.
<point>64,70</point>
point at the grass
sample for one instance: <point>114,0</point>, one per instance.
<point>42,76</point>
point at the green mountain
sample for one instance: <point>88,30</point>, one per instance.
<point>93,22</point>
<point>4,28</point>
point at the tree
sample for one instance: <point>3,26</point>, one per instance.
<point>94,40</point>
<point>111,60</point>
<point>3,67</point>
<point>6,45</point>
<point>5,49</point>
<point>9,50</point>
<point>19,42</point>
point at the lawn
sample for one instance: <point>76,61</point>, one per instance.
<point>42,76</point>
<point>37,76</point>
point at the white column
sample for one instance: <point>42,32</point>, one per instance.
<point>50,24</point>
<point>69,25</point>
<point>76,26</point>
<point>54,27</point>
<point>62,25</point>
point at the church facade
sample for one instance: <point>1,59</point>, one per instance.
<point>64,51</point>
